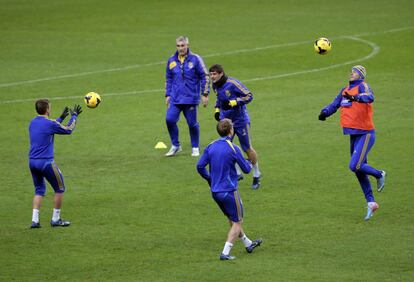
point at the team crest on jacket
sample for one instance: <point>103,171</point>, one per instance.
<point>172,65</point>
<point>227,93</point>
<point>190,65</point>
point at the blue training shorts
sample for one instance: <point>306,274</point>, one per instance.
<point>244,136</point>
<point>46,168</point>
<point>230,204</point>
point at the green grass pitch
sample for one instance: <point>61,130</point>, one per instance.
<point>138,216</point>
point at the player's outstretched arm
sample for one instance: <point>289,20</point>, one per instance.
<point>331,108</point>
<point>58,128</point>
<point>63,115</point>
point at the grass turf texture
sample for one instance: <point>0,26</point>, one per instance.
<point>140,216</point>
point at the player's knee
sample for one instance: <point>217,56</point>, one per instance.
<point>238,225</point>
<point>170,121</point>
<point>193,124</point>
<point>353,167</point>
<point>40,191</point>
<point>59,190</point>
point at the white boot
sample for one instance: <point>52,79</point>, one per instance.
<point>173,151</point>
<point>195,152</point>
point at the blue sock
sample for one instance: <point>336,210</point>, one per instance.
<point>367,169</point>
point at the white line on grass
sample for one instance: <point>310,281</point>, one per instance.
<point>375,50</point>
<point>18,83</point>
<point>77,97</point>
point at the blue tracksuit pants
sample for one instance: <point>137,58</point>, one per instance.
<point>361,144</point>
<point>173,116</point>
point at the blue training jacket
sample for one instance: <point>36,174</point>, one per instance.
<point>186,81</point>
<point>42,130</point>
<point>233,89</point>
<point>221,157</point>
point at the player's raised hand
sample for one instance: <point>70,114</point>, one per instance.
<point>77,110</point>
<point>64,114</point>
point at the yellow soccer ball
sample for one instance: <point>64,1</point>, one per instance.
<point>92,100</point>
<point>322,46</point>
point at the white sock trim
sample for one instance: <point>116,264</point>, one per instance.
<point>246,241</point>
<point>256,171</point>
<point>227,248</point>
<point>56,214</point>
<point>35,215</point>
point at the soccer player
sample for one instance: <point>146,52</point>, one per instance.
<point>232,97</point>
<point>186,78</point>
<point>355,102</point>
<point>41,158</point>
<point>221,156</point>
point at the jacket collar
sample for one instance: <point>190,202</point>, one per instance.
<point>220,82</point>
<point>188,53</point>
<point>355,83</point>
<point>225,138</point>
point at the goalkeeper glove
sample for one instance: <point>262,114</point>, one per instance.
<point>217,114</point>
<point>77,110</point>
<point>322,116</point>
<point>64,113</point>
<point>350,97</point>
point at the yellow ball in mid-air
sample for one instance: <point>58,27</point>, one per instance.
<point>92,100</point>
<point>322,46</point>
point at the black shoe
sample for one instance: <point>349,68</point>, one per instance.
<point>256,183</point>
<point>240,177</point>
<point>59,223</point>
<point>35,225</point>
<point>255,243</point>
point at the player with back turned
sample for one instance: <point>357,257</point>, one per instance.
<point>41,158</point>
<point>221,157</point>
<point>355,103</point>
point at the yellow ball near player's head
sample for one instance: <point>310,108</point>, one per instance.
<point>92,99</point>
<point>322,46</point>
